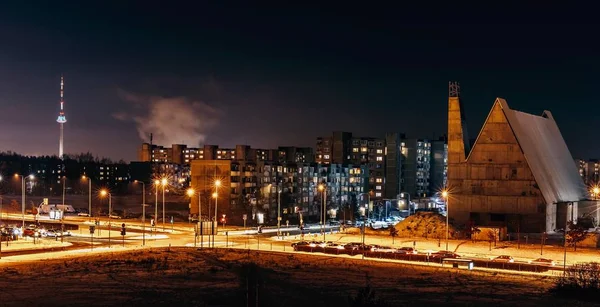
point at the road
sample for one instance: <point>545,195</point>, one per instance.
<point>182,234</point>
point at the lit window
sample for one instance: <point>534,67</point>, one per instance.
<point>363,149</point>
<point>355,149</point>
<point>218,157</point>
<point>379,158</point>
<point>232,157</point>
<point>378,187</point>
<point>326,156</point>
<point>379,151</point>
<point>378,194</point>
<point>218,151</point>
<point>378,180</point>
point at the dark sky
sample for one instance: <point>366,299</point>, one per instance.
<point>277,75</point>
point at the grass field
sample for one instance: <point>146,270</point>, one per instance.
<point>188,277</point>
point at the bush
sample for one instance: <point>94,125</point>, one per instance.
<point>581,280</point>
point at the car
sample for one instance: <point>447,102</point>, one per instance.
<point>407,250</point>
<point>503,258</point>
<point>334,246</point>
<point>444,254</point>
<point>383,249</point>
<point>52,233</point>
<point>81,213</point>
<point>28,232</point>
<point>543,261</point>
<point>300,243</point>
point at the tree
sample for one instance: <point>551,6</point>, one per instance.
<point>393,233</point>
<point>14,205</point>
<point>575,233</point>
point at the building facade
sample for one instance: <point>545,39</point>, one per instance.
<point>509,178</point>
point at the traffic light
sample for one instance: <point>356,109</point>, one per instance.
<point>223,219</point>
<point>123,230</point>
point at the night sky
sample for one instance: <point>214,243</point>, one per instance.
<point>276,75</point>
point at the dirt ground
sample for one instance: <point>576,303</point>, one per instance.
<point>188,277</point>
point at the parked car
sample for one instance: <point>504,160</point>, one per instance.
<point>543,261</point>
<point>53,233</point>
<point>407,250</point>
<point>383,249</point>
<point>444,254</point>
<point>503,258</point>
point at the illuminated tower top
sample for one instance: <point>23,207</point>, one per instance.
<point>61,115</point>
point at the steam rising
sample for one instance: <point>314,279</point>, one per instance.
<point>171,120</point>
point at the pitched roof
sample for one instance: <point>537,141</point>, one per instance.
<point>547,155</point>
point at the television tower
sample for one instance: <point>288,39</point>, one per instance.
<point>62,119</point>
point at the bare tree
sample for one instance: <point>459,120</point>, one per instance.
<point>576,233</point>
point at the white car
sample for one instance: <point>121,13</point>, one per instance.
<point>83,214</point>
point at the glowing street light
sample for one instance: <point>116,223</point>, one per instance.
<point>31,177</point>
<point>104,193</point>
<point>322,188</point>
<point>215,195</point>
<point>156,184</point>
<point>163,182</point>
<point>191,192</point>
<point>446,195</point>
<point>89,194</point>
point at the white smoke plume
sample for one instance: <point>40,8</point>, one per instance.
<point>171,120</point>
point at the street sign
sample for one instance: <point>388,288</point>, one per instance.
<point>245,216</point>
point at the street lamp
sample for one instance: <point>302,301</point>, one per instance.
<point>104,193</point>
<point>31,177</point>
<point>156,184</point>
<point>89,194</point>
<point>408,198</point>
<point>446,195</point>
<point>164,183</point>
<point>323,189</point>
<point>143,211</point>
<point>278,211</point>
<point>1,204</point>
<point>215,195</point>
<point>191,192</point>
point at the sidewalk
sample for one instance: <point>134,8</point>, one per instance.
<point>27,244</point>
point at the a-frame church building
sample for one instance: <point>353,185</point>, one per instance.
<point>518,173</point>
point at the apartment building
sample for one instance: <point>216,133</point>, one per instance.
<point>181,154</point>
<point>259,188</point>
<point>588,170</point>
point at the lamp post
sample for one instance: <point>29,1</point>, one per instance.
<point>446,196</point>
<point>143,211</point>
<point>191,193</point>
<point>156,184</point>
<point>1,205</point>
<point>403,194</point>
<point>278,211</point>
<point>89,194</point>
<point>164,183</point>
<point>323,189</point>
<point>105,193</point>
<point>215,195</point>
<point>31,177</point>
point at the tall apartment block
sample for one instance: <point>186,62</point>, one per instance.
<point>343,148</point>
<point>589,171</point>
